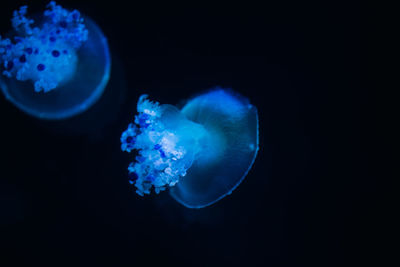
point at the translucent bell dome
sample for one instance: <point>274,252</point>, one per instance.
<point>221,166</point>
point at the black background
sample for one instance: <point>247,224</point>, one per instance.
<point>64,195</point>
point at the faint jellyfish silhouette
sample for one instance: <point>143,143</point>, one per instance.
<point>55,66</point>
<point>201,152</point>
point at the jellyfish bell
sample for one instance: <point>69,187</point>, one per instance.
<point>57,69</point>
<point>201,152</point>
<point>225,159</point>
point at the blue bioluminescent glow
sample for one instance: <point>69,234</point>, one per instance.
<point>55,66</point>
<point>201,152</point>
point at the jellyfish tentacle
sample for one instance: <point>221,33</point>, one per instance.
<point>163,156</point>
<point>45,54</point>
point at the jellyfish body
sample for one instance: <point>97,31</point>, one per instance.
<point>201,152</point>
<point>55,66</point>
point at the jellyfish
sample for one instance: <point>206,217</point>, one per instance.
<point>56,65</point>
<point>200,152</point>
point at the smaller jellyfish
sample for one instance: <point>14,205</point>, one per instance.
<point>56,65</point>
<point>201,152</point>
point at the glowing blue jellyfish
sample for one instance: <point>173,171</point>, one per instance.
<point>56,66</point>
<point>201,152</point>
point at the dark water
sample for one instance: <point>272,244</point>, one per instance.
<point>64,192</point>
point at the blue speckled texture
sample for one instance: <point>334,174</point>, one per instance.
<point>167,143</point>
<point>44,54</point>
